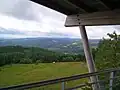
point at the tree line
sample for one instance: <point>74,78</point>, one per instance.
<point>107,54</point>
<point>28,55</point>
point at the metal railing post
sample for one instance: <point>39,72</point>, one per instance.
<point>111,80</point>
<point>63,86</point>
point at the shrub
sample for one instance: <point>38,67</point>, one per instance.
<point>37,62</point>
<point>25,61</point>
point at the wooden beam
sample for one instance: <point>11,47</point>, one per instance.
<point>79,9</point>
<point>89,57</point>
<point>96,18</point>
<point>81,4</point>
<point>105,6</point>
<point>55,6</point>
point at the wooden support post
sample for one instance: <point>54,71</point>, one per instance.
<point>88,55</point>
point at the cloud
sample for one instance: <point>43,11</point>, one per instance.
<point>20,9</point>
<point>13,33</point>
<point>26,10</point>
<point>24,18</point>
<point>10,31</point>
<point>101,31</point>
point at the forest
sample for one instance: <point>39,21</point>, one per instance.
<point>63,45</point>
<point>29,55</point>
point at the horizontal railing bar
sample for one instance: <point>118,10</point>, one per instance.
<point>112,85</point>
<point>83,85</point>
<point>58,80</point>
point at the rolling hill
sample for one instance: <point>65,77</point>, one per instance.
<point>65,45</point>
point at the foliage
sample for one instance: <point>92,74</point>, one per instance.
<point>37,62</point>
<point>68,59</point>
<point>107,55</point>
<point>63,45</point>
<point>25,61</point>
<point>27,73</point>
<point>28,55</point>
<point>87,88</point>
<point>108,52</point>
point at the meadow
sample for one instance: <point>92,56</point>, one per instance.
<point>27,73</point>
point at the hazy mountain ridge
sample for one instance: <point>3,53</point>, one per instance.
<point>65,45</point>
<point>11,33</point>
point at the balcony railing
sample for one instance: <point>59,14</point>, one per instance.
<point>108,79</point>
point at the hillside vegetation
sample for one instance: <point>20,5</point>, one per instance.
<point>30,64</point>
<point>29,55</point>
<point>27,73</point>
<point>107,55</point>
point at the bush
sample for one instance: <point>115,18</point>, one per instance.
<point>68,59</point>
<point>25,61</point>
<point>77,59</point>
<point>0,69</point>
<point>37,62</point>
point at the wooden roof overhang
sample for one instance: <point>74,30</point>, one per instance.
<point>86,12</point>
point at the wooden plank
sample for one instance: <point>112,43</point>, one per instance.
<point>97,18</point>
<point>53,4</point>
<point>81,4</point>
<point>103,4</point>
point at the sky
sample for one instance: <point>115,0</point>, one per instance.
<point>24,19</point>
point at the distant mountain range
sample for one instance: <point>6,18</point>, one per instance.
<point>65,45</point>
<point>11,33</point>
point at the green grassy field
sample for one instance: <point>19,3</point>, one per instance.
<point>27,73</point>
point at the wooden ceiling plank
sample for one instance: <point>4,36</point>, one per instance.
<point>51,4</point>
<point>105,6</point>
<point>82,5</point>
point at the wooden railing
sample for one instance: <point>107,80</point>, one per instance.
<point>113,75</point>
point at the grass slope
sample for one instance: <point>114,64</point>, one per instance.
<point>27,73</point>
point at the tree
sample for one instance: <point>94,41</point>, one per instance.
<point>25,61</point>
<point>37,62</point>
<point>26,55</point>
<point>94,50</point>
<point>68,59</point>
<point>77,59</point>
<point>2,60</point>
<point>108,52</point>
